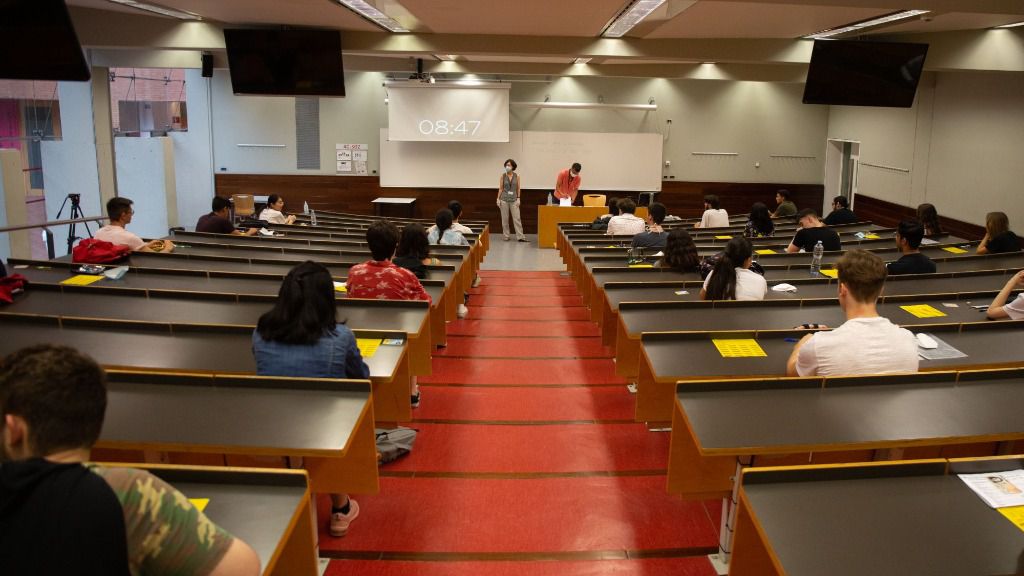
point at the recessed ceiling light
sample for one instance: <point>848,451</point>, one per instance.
<point>179,14</point>
<point>1014,25</point>
<point>446,57</point>
<point>373,15</point>
<point>894,17</point>
<point>709,63</point>
<point>582,60</point>
<point>630,17</point>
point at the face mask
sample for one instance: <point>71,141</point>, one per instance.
<point>572,174</point>
<point>508,168</point>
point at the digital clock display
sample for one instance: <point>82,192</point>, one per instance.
<point>451,128</point>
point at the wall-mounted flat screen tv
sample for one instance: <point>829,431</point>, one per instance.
<point>38,42</point>
<point>286,62</point>
<point>864,73</point>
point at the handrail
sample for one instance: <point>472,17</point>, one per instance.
<point>53,223</point>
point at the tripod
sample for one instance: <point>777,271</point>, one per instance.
<point>76,213</point>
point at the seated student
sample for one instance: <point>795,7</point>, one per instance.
<point>413,251</point>
<point>273,212</point>
<point>443,232</point>
<point>301,337</point>
<point>866,343</point>
<point>601,222</point>
<point>219,220</point>
<point>680,253</point>
<point>456,207</point>
<point>1000,309</point>
<point>714,216</point>
<point>841,213</point>
<point>732,279</point>
<point>52,403</point>
<point>626,223</point>
<point>120,211</point>
<point>929,216</point>
<point>908,240</point>
<point>655,237</point>
<point>380,278</point>
<point>998,237</point>
<point>811,232</point>
<point>760,224</point>
<point>786,207</point>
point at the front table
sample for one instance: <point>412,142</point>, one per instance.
<point>548,218</point>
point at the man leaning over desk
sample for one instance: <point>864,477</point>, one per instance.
<point>567,184</point>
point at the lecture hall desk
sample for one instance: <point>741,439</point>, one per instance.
<point>721,428</point>
<point>238,420</point>
<point>223,310</point>
<point>549,217</point>
<point>670,357</point>
<point>268,509</point>
<point>959,285</point>
<point>883,519</point>
<point>209,349</point>
<point>445,306</point>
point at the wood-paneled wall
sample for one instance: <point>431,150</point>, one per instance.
<point>354,194</point>
<point>886,213</point>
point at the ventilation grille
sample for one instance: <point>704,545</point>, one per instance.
<point>307,133</point>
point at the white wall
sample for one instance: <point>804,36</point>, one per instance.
<point>753,119</point>
<point>69,165</point>
<point>960,142</point>
<point>145,175</point>
<point>193,152</point>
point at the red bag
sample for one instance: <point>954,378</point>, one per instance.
<point>93,251</point>
<point>11,285</point>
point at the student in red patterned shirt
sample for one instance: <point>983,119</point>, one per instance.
<point>379,278</point>
<point>383,280</point>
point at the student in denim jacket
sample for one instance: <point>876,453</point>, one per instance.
<point>301,337</point>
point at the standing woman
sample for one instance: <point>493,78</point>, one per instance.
<point>301,337</point>
<point>509,200</point>
<point>273,213</point>
<point>732,278</point>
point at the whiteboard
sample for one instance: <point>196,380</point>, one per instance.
<point>611,161</point>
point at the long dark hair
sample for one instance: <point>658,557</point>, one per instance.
<point>680,252</point>
<point>929,216</point>
<point>722,285</point>
<point>304,310</point>
<point>444,221</point>
<point>413,242</point>
<point>762,219</point>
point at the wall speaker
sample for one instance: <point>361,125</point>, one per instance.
<point>207,65</point>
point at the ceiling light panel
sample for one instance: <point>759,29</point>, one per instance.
<point>1014,25</point>
<point>179,14</point>
<point>369,12</point>
<point>630,17</point>
<point>889,18</point>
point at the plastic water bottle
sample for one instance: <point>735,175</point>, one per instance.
<point>305,208</point>
<point>816,259</point>
<point>312,222</point>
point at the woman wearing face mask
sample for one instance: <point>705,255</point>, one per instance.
<point>508,200</point>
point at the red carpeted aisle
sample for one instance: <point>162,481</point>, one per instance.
<point>528,461</point>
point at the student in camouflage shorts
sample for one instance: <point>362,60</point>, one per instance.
<point>52,401</point>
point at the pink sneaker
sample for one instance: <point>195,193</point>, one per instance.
<point>339,522</point>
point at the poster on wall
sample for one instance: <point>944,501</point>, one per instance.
<point>352,159</point>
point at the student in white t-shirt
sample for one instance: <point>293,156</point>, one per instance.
<point>714,216</point>
<point>626,223</point>
<point>732,278</point>
<point>274,212</point>
<point>1014,310</point>
<point>120,211</point>
<point>866,343</point>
